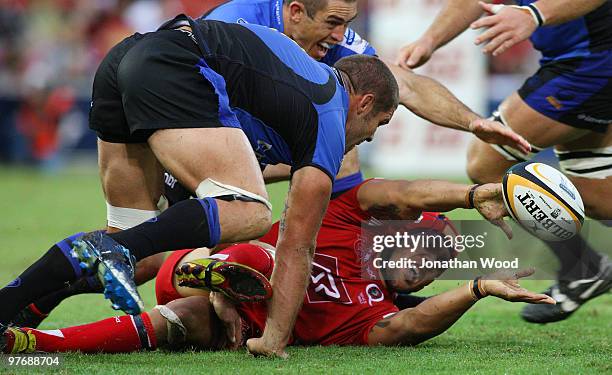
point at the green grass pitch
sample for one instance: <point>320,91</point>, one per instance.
<point>38,210</point>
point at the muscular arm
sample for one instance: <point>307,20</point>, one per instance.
<point>452,20</point>
<point>306,204</point>
<point>560,11</point>
<point>276,173</point>
<point>401,199</point>
<point>436,314</point>
<point>430,100</point>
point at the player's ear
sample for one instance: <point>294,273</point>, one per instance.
<point>366,103</point>
<point>297,11</point>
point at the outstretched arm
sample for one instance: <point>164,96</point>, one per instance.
<point>436,314</point>
<point>452,20</point>
<point>430,100</point>
<point>306,204</point>
<point>405,200</point>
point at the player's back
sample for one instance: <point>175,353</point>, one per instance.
<point>292,108</point>
<point>582,37</point>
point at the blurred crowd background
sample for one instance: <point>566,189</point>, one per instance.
<point>50,49</point>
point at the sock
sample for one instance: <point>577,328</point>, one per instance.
<point>250,255</point>
<point>188,224</point>
<point>47,303</point>
<point>578,260</point>
<point>120,334</point>
<point>54,271</point>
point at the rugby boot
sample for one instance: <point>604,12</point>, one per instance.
<point>570,295</point>
<point>17,340</point>
<point>238,282</point>
<point>98,254</point>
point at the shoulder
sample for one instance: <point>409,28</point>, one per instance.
<point>242,12</point>
<point>352,44</point>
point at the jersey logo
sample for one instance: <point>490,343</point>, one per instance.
<point>324,93</point>
<point>325,285</point>
<point>241,21</point>
<point>262,148</point>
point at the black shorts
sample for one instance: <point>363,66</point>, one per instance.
<point>155,81</point>
<point>576,92</point>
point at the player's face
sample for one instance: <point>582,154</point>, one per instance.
<point>411,279</point>
<point>326,28</point>
<point>362,128</point>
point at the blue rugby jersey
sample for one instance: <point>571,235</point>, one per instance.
<point>292,108</point>
<point>270,13</point>
<point>582,37</point>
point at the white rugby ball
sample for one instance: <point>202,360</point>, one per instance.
<point>543,201</point>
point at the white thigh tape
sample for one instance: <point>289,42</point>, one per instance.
<point>211,188</point>
<point>177,333</point>
<point>126,218</point>
<point>594,163</point>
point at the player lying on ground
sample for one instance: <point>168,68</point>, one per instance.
<point>346,310</point>
<point>565,105</point>
<point>337,287</point>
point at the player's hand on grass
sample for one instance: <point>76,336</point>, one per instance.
<point>415,54</point>
<point>504,285</point>
<point>489,201</point>
<point>496,133</point>
<point>261,347</point>
<point>506,26</point>
<point>227,313</point>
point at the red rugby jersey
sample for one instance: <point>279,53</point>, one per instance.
<point>340,306</point>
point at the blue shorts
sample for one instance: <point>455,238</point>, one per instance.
<point>576,92</point>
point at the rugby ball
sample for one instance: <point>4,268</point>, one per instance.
<point>543,201</point>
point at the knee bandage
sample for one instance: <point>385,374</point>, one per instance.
<point>210,188</point>
<point>177,332</point>
<point>126,218</point>
<point>595,163</point>
<point>508,152</point>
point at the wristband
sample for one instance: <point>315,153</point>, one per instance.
<point>469,196</point>
<point>476,289</point>
<point>538,17</point>
<point>535,12</point>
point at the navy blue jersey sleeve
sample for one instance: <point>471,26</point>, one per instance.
<point>352,44</point>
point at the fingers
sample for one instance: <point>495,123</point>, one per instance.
<point>258,348</point>
<point>410,57</point>
<point>497,41</point>
<point>229,317</point>
<point>504,227</point>
<point>535,298</point>
<point>524,272</point>
<point>484,22</point>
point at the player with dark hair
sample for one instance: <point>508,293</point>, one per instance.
<point>320,27</point>
<point>565,105</point>
<point>201,99</point>
<point>341,306</point>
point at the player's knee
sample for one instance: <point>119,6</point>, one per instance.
<point>262,219</point>
<point>476,167</point>
<point>188,321</point>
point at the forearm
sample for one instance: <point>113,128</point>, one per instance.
<point>432,195</point>
<point>452,20</point>
<point>276,173</point>
<point>560,11</point>
<point>436,314</point>
<point>430,100</point>
<point>289,280</point>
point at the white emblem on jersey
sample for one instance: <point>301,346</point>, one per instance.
<point>354,42</point>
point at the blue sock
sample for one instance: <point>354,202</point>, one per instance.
<point>52,272</point>
<point>188,224</point>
